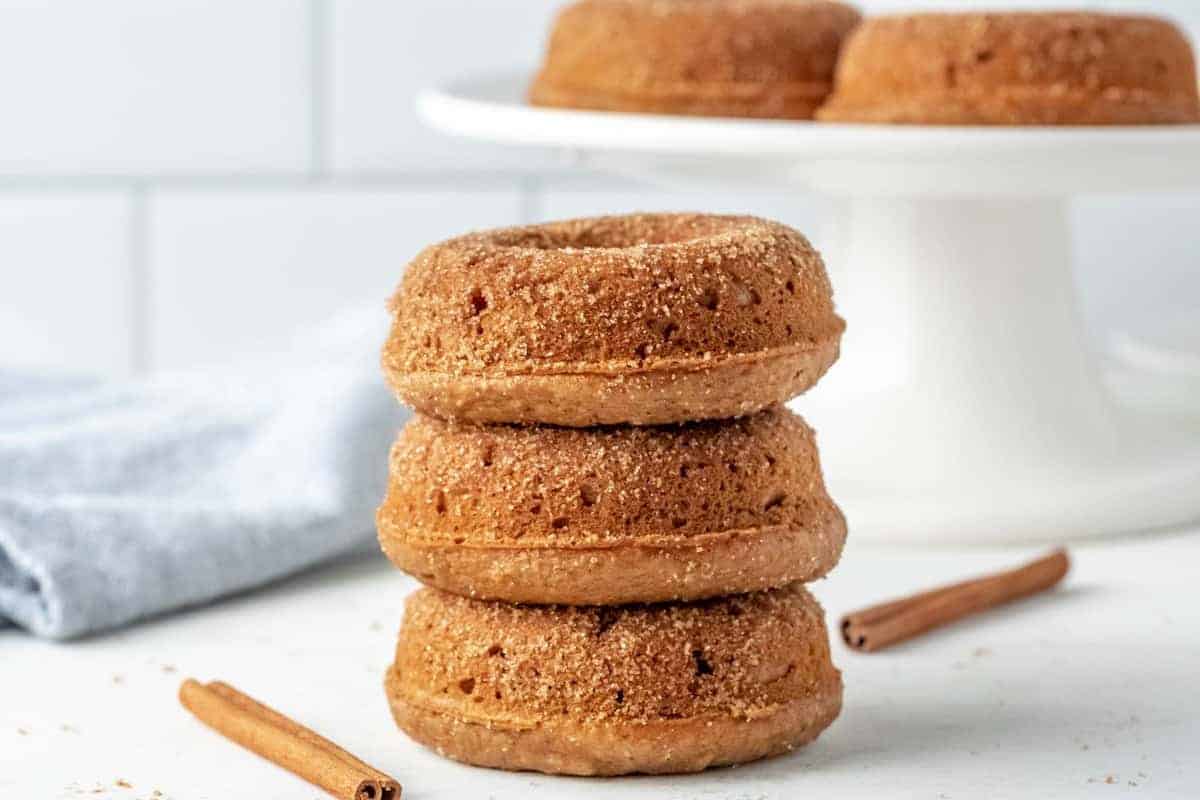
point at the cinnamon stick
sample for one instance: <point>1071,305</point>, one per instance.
<point>883,625</point>
<point>285,742</point>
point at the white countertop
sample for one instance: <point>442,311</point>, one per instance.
<point>1088,692</point>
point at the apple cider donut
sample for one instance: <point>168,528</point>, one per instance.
<point>610,515</point>
<point>1024,68</point>
<point>613,690</point>
<point>642,319</point>
<point>732,58</point>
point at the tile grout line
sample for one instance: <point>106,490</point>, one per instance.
<point>139,274</point>
<point>320,88</point>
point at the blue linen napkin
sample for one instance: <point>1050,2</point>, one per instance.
<point>121,500</point>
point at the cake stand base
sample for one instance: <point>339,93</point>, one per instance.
<point>966,405</point>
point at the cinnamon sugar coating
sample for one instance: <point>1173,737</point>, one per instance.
<point>610,515</point>
<point>606,690</point>
<point>644,319</point>
<point>1031,68</point>
<point>740,58</point>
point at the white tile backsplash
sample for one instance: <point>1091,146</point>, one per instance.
<point>234,273</point>
<point>141,86</point>
<point>284,174</point>
<point>66,297</point>
<point>384,51</point>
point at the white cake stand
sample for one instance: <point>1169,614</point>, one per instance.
<point>967,406</point>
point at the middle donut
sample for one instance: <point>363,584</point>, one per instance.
<point>610,515</point>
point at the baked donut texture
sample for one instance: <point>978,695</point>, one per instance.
<point>735,58</point>
<point>610,515</point>
<point>642,319</point>
<point>614,690</point>
<point>1032,68</point>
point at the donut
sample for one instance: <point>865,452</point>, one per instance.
<point>725,58</point>
<point>642,319</point>
<point>594,516</point>
<point>612,690</point>
<point>1031,68</point>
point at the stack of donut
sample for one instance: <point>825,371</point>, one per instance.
<point>611,509</point>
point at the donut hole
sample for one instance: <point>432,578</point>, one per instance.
<point>496,650</point>
<point>790,286</point>
<point>467,685</point>
<point>617,233</point>
<point>558,523</point>
<point>619,697</point>
<point>703,667</point>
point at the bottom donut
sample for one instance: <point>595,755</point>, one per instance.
<point>662,688</point>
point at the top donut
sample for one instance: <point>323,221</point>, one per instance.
<point>737,58</point>
<point>1032,68</point>
<point>643,319</point>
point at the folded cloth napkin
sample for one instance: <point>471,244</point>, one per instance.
<point>123,500</point>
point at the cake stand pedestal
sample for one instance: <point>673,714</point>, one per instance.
<point>967,406</point>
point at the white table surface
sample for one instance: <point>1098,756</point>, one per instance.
<point>1088,692</point>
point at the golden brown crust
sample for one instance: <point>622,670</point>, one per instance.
<point>643,319</point>
<point>1032,68</point>
<point>737,58</point>
<point>657,688</point>
<point>610,515</point>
